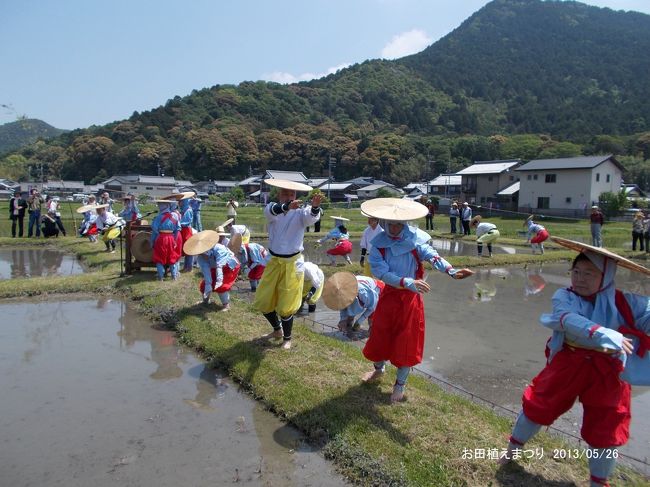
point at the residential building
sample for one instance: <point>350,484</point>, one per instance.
<point>250,184</point>
<point>138,184</point>
<point>371,190</point>
<point>567,186</point>
<point>445,186</point>
<point>484,179</point>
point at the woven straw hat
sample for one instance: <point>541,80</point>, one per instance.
<point>621,261</point>
<point>226,223</point>
<point>394,209</point>
<point>85,208</point>
<point>141,247</point>
<point>286,184</point>
<point>179,196</point>
<point>158,202</point>
<point>529,219</point>
<point>235,243</point>
<point>201,242</point>
<point>97,207</point>
<point>343,219</point>
<point>476,220</point>
<point>340,290</point>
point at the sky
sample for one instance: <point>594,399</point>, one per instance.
<point>76,63</point>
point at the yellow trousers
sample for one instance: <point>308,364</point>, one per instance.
<point>366,268</point>
<point>111,234</point>
<point>489,237</point>
<point>280,289</point>
<point>305,290</point>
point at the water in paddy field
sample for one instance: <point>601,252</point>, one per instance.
<point>483,335</point>
<point>36,262</point>
<point>93,394</point>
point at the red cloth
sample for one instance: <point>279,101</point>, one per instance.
<point>397,328</point>
<point>344,247</point>
<point>92,229</point>
<point>186,233</point>
<point>256,273</point>
<point>597,217</point>
<point>229,277</point>
<point>592,377</point>
<point>165,249</point>
<point>540,237</point>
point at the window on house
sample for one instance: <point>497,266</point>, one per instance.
<point>597,176</point>
<point>148,188</point>
<point>608,176</point>
<point>489,178</point>
<point>133,187</point>
<point>543,202</point>
<point>535,177</point>
<point>568,199</point>
<point>512,178</point>
<point>529,177</point>
<point>551,178</point>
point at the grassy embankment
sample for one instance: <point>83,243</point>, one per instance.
<point>316,386</point>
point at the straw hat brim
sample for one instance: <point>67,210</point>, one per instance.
<point>476,219</point>
<point>226,223</point>
<point>340,290</point>
<point>162,201</point>
<point>179,196</point>
<point>85,208</point>
<point>343,219</point>
<point>141,247</point>
<point>286,184</point>
<point>99,206</point>
<point>528,219</point>
<point>235,243</point>
<point>394,209</point>
<point>201,242</point>
<point>621,261</point>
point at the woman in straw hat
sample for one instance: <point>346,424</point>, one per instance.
<point>130,212</point>
<point>109,225</point>
<point>486,233</point>
<point>88,226</point>
<point>355,297</point>
<point>536,235</point>
<point>396,258</point>
<point>592,323</point>
<point>312,286</point>
<point>218,264</point>
<point>372,230</point>
<point>165,229</point>
<point>253,258</point>
<point>279,294</point>
<point>339,234</point>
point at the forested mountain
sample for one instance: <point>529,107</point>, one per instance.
<point>23,132</point>
<point>519,78</point>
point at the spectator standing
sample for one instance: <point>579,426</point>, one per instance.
<point>454,214</point>
<point>195,204</point>
<point>34,203</point>
<point>432,211</point>
<point>637,230</point>
<point>53,209</point>
<point>597,220</point>
<point>646,232</point>
<point>17,207</point>
<point>466,217</point>
<point>231,209</point>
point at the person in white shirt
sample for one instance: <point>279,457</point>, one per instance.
<point>109,225</point>
<point>312,287</point>
<point>279,293</point>
<point>231,209</point>
<point>372,230</point>
<point>485,233</point>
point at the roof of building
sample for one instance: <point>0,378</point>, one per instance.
<point>251,180</point>
<point>335,186</point>
<point>489,167</point>
<point>316,182</point>
<point>447,180</point>
<point>629,188</point>
<point>144,179</point>
<point>374,187</point>
<point>223,182</point>
<point>365,181</point>
<point>509,190</point>
<point>296,176</point>
<point>582,162</point>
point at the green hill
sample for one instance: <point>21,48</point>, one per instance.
<point>519,78</point>
<point>14,135</point>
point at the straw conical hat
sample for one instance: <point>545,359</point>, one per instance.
<point>394,209</point>
<point>529,219</point>
<point>225,224</point>
<point>343,219</point>
<point>85,208</point>
<point>286,184</point>
<point>201,242</point>
<point>621,261</point>
<point>141,247</point>
<point>105,205</point>
<point>179,196</point>
<point>235,244</point>
<point>163,201</point>
<point>476,220</point>
<point>340,290</point>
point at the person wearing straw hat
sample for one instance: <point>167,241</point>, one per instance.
<point>165,229</point>
<point>218,264</point>
<point>466,218</point>
<point>130,212</point>
<point>454,214</point>
<point>486,233</point>
<point>242,230</point>
<point>597,220</point>
<point>109,225</point>
<point>231,209</point>
<point>372,230</point>
<point>339,234</point>
<point>253,258</point>
<point>599,348</point>
<point>397,258</point>
<point>355,297</point>
<point>312,286</point>
<point>536,235</point>
<point>88,226</point>
<point>279,294</point>
<point>637,230</point>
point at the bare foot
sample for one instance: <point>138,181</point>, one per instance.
<point>225,307</point>
<point>286,345</point>
<point>373,376</point>
<point>275,334</point>
<point>398,394</point>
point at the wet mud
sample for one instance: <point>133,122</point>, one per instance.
<point>36,262</point>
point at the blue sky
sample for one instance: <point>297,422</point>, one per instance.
<point>74,63</point>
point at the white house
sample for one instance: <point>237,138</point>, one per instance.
<point>138,184</point>
<point>484,179</point>
<point>567,186</point>
<point>445,185</point>
<point>371,190</point>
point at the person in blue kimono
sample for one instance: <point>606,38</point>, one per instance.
<point>355,297</point>
<point>165,229</point>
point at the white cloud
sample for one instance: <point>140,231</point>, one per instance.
<point>406,43</point>
<point>287,78</point>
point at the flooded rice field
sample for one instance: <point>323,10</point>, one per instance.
<point>483,335</point>
<point>36,262</point>
<point>93,394</point>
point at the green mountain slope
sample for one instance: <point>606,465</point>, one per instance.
<point>14,135</point>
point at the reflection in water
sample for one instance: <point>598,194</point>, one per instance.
<point>35,262</point>
<point>208,385</point>
<point>535,282</point>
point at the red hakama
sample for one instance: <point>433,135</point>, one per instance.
<point>344,247</point>
<point>229,278</point>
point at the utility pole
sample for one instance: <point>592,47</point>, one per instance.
<point>332,163</point>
